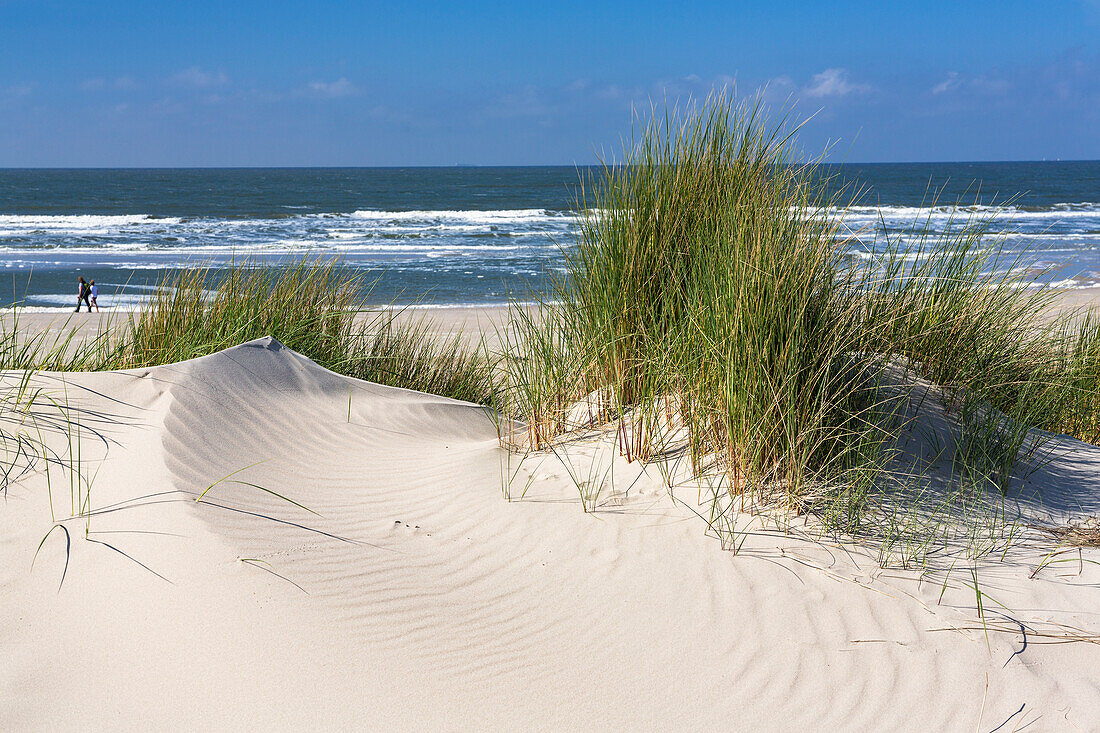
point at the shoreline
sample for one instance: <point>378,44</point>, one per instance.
<point>469,322</point>
<point>443,320</point>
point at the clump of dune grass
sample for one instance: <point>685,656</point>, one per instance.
<point>705,283</point>
<point>1011,374</point>
<point>1076,386</point>
<point>314,307</point>
<point>951,308</point>
<point>708,306</point>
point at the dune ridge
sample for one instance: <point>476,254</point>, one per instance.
<point>353,563</point>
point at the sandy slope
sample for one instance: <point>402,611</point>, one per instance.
<point>417,597</point>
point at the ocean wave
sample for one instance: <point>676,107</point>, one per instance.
<point>283,247</point>
<point>79,222</point>
<point>1083,208</point>
<point>367,236</point>
<point>499,216</point>
<point>1073,221</point>
<point>140,232</point>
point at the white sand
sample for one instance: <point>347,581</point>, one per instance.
<point>420,598</point>
<point>470,323</point>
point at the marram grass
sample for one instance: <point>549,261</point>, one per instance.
<point>704,270</point>
<point>313,307</point>
<point>708,307</point>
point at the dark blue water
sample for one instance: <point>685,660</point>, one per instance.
<point>453,235</point>
<point>1035,186</point>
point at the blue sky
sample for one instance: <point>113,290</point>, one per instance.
<point>415,83</point>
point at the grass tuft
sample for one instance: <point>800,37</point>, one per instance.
<point>313,307</point>
<point>710,308</point>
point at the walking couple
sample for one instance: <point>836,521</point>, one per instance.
<point>85,292</point>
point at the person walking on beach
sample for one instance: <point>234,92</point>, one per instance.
<point>95,294</point>
<point>83,293</point>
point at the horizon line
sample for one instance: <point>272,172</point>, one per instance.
<point>488,166</point>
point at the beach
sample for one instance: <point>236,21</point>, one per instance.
<point>473,323</point>
<point>270,544</point>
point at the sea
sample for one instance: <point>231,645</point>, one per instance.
<point>467,236</point>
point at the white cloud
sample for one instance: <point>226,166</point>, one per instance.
<point>778,91</point>
<point>951,82</point>
<point>332,89</point>
<point>982,84</point>
<point>833,83</point>
<point>199,79</point>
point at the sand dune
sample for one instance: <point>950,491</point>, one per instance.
<point>354,563</point>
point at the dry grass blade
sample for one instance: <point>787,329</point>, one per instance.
<point>1081,533</point>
